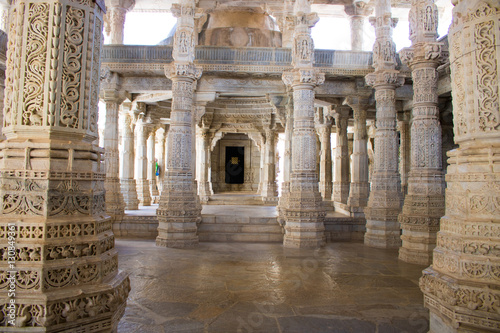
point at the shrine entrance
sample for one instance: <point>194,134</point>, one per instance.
<point>235,165</point>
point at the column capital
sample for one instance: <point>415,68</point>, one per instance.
<point>308,78</point>
<point>181,70</point>
<point>357,103</point>
<point>127,5</point>
<point>359,8</point>
<point>388,78</point>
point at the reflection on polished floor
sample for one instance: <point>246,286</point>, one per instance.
<point>241,287</point>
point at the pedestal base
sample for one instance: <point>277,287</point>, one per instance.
<point>178,214</point>
<point>129,191</point>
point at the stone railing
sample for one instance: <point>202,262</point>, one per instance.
<point>211,55</point>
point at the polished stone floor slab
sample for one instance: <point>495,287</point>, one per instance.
<point>241,287</point>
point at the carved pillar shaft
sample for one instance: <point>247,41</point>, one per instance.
<point>204,182</point>
<point>424,203</point>
<point>52,212</point>
<point>269,188</point>
<point>384,203</point>
<point>461,288</point>
<point>115,19</point>
<point>143,190</point>
<point>151,152</point>
<point>287,162</point>
<point>404,153</point>
<point>127,165</point>
<point>341,184</point>
<point>2,95</point>
<point>161,160</point>
<point>4,17</point>
<point>359,187</point>
<point>357,23</point>
<point>114,199</point>
<point>325,164</point>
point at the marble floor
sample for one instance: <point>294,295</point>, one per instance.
<point>238,287</point>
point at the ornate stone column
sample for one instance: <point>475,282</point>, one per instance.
<point>115,18</point>
<point>110,92</point>
<point>384,203</point>
<point>180,209</point>
<point>2,95</point>
<point>358,12</point>
<point>424,203</point>
<point>287,160</point>
<point>4,17</point>
<point>161,157</point>
<point>151,171</point>
<point>269,186</point>
<point>204,182</point>
<point>341,166</point>
<point>403,127</point>
<point>142,129</point>
<point>127,165</point>
<point>324,130</point>
<point>359,187</point>
<point>305,213</point>
<point>57,242</point>
<point>462,287</point>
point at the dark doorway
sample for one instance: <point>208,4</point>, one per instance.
<point>235,165</point>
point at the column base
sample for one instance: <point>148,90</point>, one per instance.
<point>129,191</point>
<point>382,234</point>
<point>341,192</point>
<point>143,193</point>
<point>420,223</point>
<point>358,198</point>
<point>205,191</point>
<point>83,308</point>
<point>304,218</point>
<point>115,206</point>
<point>178,214</point>
<point>326,188</point>
<point>458,307</point>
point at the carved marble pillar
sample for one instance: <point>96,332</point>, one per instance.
<point>180,209</point>
<point>127,181</point>
<point>359,187</point>
<point>384,203</point>
<point>4,17</point>
<point>269,187</point>
<point>287,160</point>
<point>305,213</point>
<point>61,252</point>
<point>161,158</point>
<point>462,287</point>
<point>205,163</point>
<point>151,172</point>
<point>114,198</point>
<point>325,164</point>
<point>403,127</point>
<point>115,19</point>
<point>341,165</point>
<point>358,11</point>
<point>2,95</point>
<point>424,203</point>
<point>143,190</point>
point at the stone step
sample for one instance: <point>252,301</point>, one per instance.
<point>240,237</point>
<point>224,219</point>
<point>240,228</point>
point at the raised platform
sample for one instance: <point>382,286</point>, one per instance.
<point>238,223</point>
<point>241,198</point>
